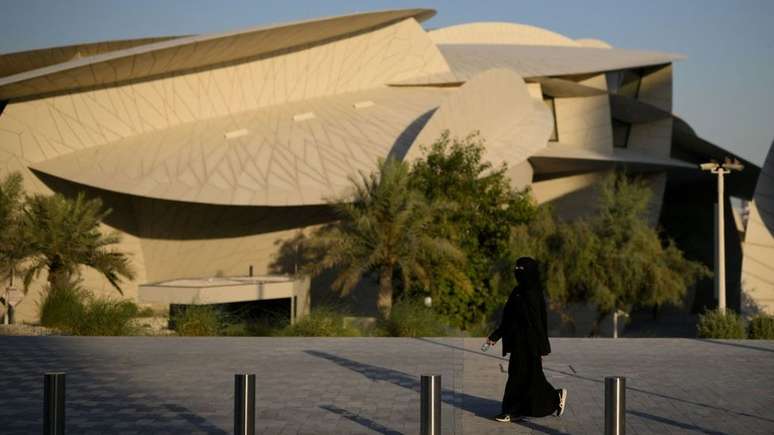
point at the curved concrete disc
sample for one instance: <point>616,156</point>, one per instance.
<point>497,104</point>
<point>758,262</point>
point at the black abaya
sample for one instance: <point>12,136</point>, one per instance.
<point>523,330</point>
<point>527,391</point>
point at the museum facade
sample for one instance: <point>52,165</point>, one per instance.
<point>211,150</point>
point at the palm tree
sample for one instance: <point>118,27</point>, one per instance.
<point>384,228</point>
<point>64,234</point>
<point>13,247</point>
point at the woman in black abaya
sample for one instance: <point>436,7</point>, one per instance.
<point>523,331</point>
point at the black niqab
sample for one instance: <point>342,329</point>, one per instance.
<point>524,315</point>
<point>527,274</point>
<point>523,329</point>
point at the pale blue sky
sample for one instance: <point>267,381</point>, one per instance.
<point>725,88</point>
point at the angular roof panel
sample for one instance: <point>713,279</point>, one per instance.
<point>532,61</point>
<point>690,147</point>
<point>292,154</point>
<point>558,158</point>
<point>20,61</point>
<point>497,104</point>
<point>192,52</point>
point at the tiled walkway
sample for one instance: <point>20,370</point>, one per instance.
<point>370,385</point>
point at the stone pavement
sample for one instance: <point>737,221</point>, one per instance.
<point>142,385</point>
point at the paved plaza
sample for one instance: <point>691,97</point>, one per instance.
<point>134,385</point>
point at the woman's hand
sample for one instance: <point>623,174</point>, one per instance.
<point>487,344</point>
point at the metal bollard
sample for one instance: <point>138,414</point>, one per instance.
<point>244,404</point>
<point>615,405</point>
<point>430,407</point>
<point>54,404</point>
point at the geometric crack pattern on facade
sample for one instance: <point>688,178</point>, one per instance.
<point>15,63</point>
<point>190,53</point>
<point>213,150</point>
<point>498,105</point>
<point>758,263</point>
<point>259,157</point>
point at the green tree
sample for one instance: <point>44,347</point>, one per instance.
<point>13,247</point>
<point>453,170</point>
<point>633,266</point>
<point>613,259</point>
<point>385,229</point>
<point>566,252</point>
<point>64,234</point>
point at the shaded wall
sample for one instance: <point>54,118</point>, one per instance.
<point>687,217</point>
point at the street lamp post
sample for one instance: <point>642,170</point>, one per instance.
<point>721,169</point>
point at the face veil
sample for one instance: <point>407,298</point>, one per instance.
<point>526,272</point>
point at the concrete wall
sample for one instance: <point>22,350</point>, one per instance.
<point>585,122</point>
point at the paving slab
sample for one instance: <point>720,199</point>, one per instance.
<point>178,385</point>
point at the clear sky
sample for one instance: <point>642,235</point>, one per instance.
<point>724,89</point>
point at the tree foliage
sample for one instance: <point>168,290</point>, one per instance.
<point>384,228</point>
<point>454,171</point>
<point>13,246</point>
<point>613,259</point>
<point>64,234</point>
<point>719,324</point>
<point>443,225</point>
<point>634,267</point>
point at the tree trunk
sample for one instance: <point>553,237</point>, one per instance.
<point>384,301</point>
<point>6,304</point>
<point>58,277</point>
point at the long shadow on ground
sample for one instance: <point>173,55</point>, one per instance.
<point>744,346</point>
<point>599,381</point>
<point>361,420</point>
<point>675,423</point>
<point>479,406</point>
<point>98,399</point>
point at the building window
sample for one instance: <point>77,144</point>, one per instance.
<point>625,82</point>
<point>550,103</point>
<point>621,132</point>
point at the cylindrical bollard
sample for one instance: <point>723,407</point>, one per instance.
<point>430,407</point>
<point>615,405</point>
<point>54,404</point>
<point>244,404</point>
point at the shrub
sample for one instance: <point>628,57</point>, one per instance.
<point>248,329</point>
<point>107,317</point>
<point>198,321</point>
<point>481,329</point>
<point>241,329</point>
<point>321,322</point>
<point>413,319</point>
<point>72,310</point>
<point>761,327</point>
<point>145,312</point>
<point>714,324</point>
<point>62,308</point>
<point>263,328</point>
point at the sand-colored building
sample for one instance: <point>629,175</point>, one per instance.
<point>213,149</point>
<point>758,246</point>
